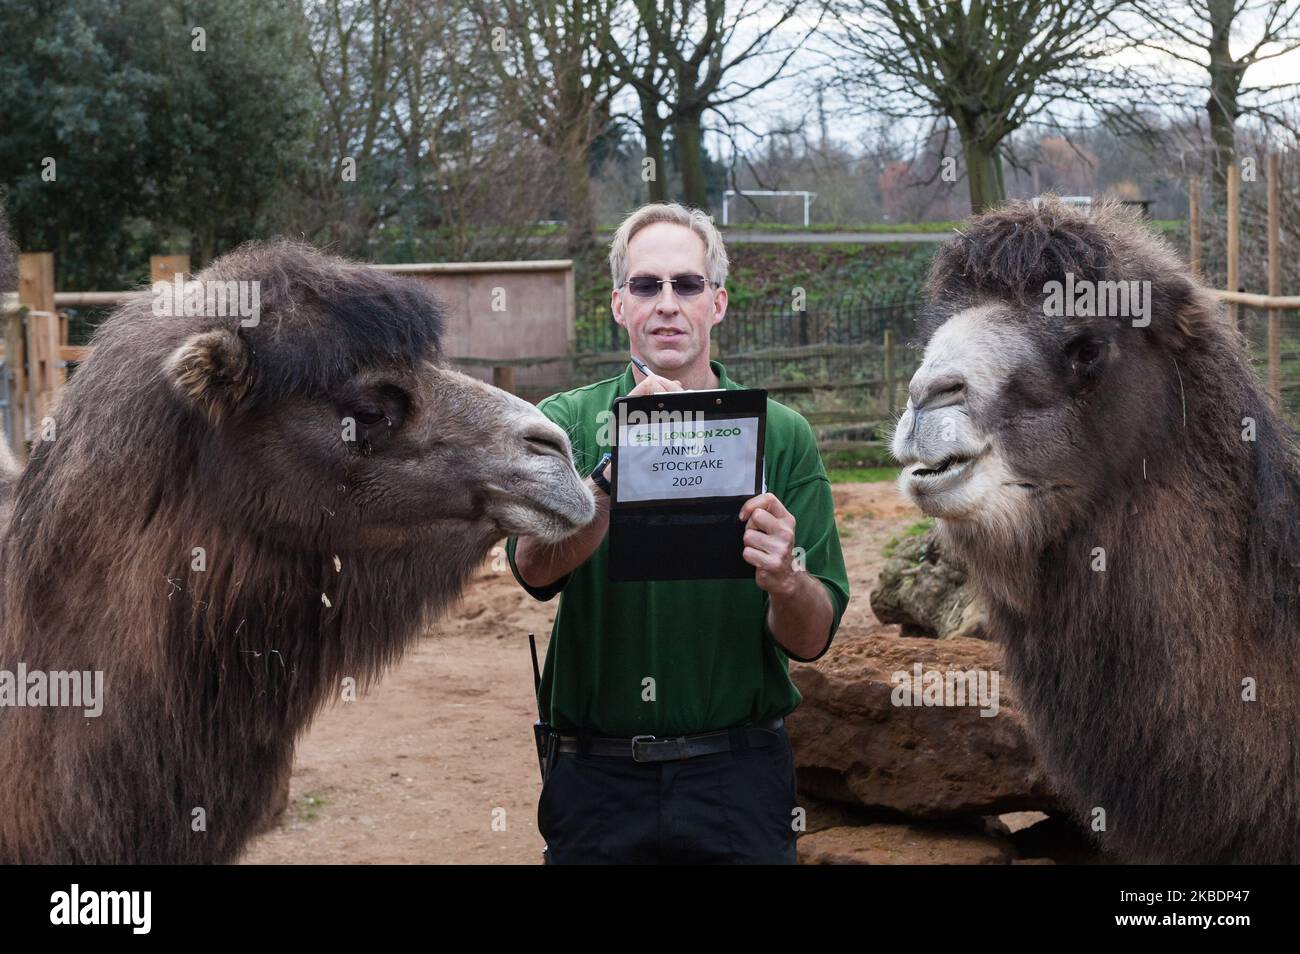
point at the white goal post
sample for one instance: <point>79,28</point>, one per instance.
<point>807,200</point>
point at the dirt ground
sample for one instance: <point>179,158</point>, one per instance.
<point>436,763</point>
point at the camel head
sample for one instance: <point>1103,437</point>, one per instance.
<point>1058,344</point>
<point>335,402</point>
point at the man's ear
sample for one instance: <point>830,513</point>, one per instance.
<point>212,371</point>
<point>616,307</point>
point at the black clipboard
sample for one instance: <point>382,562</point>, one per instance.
<point>683,538</point>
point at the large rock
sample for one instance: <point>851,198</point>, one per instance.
<point>924,590</point>
<point>837,834</point>
<point>854,746</point>
<point>884,844</point>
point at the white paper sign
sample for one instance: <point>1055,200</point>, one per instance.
<point>705,459</point>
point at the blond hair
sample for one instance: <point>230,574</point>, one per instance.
<point>697,220</point>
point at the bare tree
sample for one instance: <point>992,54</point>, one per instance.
<point>1200,33</point>
<point>555,79</point>
<point>436,166</point>
<point>988,66</point>
<point>644,67</point>
<point>352,58</point>
<point>473,178</point>
<point>705,45</point>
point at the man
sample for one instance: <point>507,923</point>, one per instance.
<point>668,697</point>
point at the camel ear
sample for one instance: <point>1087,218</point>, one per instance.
<point>1191,311</point>
<point>212,371</point>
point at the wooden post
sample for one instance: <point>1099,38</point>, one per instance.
<point>16,375</point>
<point>1234,232</point>
<point>889,369</point>
<point>1274,286</point>
<point>45,371</point>
<point>1194,224</point>
<point>503,376</point>
<point>164,268</point>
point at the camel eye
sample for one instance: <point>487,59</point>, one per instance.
<point>384,407</point>
<point>370,415</point>
<point>1084,353</point>
<point>379,413</point>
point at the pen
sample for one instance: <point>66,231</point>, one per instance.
<point>641,366</point>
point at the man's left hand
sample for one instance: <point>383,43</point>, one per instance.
<point>769,543</point>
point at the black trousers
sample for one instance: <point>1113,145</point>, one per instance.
<point>734,807</point>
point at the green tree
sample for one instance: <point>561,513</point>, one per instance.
<point>120,137</point>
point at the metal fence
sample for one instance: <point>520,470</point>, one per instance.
<point>843,362</point>
<point>1254,327</point>
<point>852,317</point>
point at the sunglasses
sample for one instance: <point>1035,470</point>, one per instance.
<point>647,286</point>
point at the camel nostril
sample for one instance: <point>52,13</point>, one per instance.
<point>940,391</point>
<point>546,441</point>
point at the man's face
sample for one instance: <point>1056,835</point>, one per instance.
<point>670,332</point>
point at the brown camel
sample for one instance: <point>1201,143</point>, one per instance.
<point>1125,498</point>
<point>235,521</point>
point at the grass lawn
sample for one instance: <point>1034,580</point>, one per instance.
<point>861,475</point>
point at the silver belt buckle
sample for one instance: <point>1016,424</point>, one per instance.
<point>635,740</point>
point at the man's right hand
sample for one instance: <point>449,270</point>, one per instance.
<point>654,384</point>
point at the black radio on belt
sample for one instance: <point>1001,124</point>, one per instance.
<point>545,738</point>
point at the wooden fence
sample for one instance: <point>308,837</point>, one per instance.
<point>848,380</point>
<point>1274,303</point>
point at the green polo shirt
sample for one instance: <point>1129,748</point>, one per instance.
<point>677,657</point>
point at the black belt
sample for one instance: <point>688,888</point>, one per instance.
<point>648,748</point>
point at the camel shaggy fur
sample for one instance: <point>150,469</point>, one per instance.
<point>235,522</point>
<point>1125,497</point>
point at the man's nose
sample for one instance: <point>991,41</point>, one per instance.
<point>667,299</point>
<point>667,302</point>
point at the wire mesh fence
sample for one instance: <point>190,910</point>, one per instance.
<point>852,317</point>
<point>1253,323</point>
<point>843,361</point>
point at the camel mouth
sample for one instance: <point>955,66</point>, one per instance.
<point>954,462</point>
<point>927,482</point>
<point>549,511</point>
<point>927,478</point>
